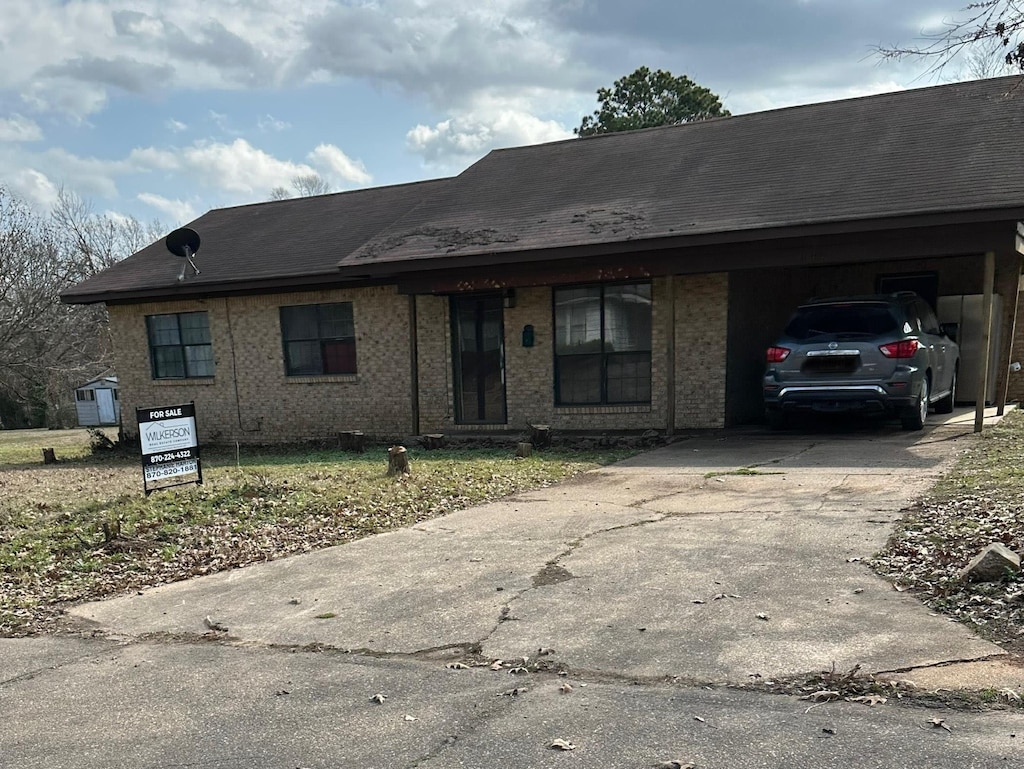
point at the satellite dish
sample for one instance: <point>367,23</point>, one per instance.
<point>184,243</point>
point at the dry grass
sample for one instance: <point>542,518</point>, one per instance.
<point>83,529</point>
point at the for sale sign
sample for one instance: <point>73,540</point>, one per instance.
<point>170,446</point>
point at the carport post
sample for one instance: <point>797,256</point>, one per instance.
<point>986,341</point>
<point>1013,321</point>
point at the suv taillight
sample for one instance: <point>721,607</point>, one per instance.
<point>777,354</point>
<point>904,349</point>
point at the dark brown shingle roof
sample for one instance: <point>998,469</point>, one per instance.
<point>939,150</point>
<point>949,148</point>
<point>282,241</point>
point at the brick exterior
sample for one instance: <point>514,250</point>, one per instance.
<point>702,333</point>
<point>268,406</point>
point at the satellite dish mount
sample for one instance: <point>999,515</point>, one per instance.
<point>184,243</point>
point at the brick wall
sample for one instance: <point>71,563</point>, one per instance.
<point>701,315</point>
<point>702,333</point>
<point>250,399</point>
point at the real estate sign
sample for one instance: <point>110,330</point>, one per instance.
<point>170,446</point>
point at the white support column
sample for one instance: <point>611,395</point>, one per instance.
<point>986,341</point>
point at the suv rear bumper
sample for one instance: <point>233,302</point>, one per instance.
<point>871,398</point>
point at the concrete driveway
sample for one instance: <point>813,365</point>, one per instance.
<point>716,559</point>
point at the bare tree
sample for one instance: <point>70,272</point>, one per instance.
<point>992,27</point>
<point>46,347</point>
<point>303,186</point>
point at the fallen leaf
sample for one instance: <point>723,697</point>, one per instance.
<point>496,665</point>
<point>457,666</point>
<point>561,744</point>
<point>518,670</point>
<point>675,763</point>
<point>410,718</point>
<point>378,698</point>
<point>215,626</point>
<point>763,616</point>
<point>565,688</point>
<point>698,718</point>
<point>544,651</point>
<point>825,695</point>
<point>940,723</point>
<point>869,699</point>
<point>513,692</point>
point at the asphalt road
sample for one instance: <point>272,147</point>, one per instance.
<point>661,587</point>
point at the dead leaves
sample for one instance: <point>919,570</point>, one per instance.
<point>560,744</point>
<point>675,763</point>
<point>212,624</point>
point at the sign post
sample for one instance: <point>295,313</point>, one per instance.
<point>170,447</point>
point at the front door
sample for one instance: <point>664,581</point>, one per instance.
<point>478,359</point>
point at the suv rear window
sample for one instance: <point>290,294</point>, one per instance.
<point>861,318</point>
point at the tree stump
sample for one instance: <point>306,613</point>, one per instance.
<point>398,461</point>
<point>540,436</point>
<point>433,441</point>
<point>352,440</point>
<point>524,450</point>
<point>49,457</point>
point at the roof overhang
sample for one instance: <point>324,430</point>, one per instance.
<point>821,243</point>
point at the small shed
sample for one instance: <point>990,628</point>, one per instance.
<point>97,403</point>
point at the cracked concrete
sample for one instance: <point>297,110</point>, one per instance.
<point>680,562</point>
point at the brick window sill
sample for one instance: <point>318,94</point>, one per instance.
<point>205,381</point>
<point>642,408</point>
<point>329,379</point>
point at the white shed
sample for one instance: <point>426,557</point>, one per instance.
<point>97,403</point>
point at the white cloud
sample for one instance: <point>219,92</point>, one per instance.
<point>333,163</point>
<point>176,125</point>
<point>271,123</point>
<point>35,187</point>
<point>180,211</point>
<point>464,138</point>
<point>238,168</point>
<point>19,129</point>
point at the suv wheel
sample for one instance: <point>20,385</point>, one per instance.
<point>945,405</point>
<point>914,420</point>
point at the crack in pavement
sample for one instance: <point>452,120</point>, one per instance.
<point>946,663</point>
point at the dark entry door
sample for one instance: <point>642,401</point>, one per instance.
<point>479,359</point>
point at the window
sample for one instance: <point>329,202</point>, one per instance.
<point>318,339</point>
<point>603,344</point>
<point>85,395</point>
<point>179,345</point>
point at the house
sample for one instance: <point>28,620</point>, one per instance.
<point>98,403</point>
<point>619,282</point>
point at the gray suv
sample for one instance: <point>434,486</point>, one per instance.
<point>869,354</point>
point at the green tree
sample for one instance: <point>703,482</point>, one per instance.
<point>987,29</point>
<point>646,99</point>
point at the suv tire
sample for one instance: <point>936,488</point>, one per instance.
<point>914,419</point>
<point>945,405</point>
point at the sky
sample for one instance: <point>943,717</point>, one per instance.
<point>164,109</point>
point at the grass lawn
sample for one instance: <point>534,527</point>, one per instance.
<point>980,502</point>
<point>83,529</point>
